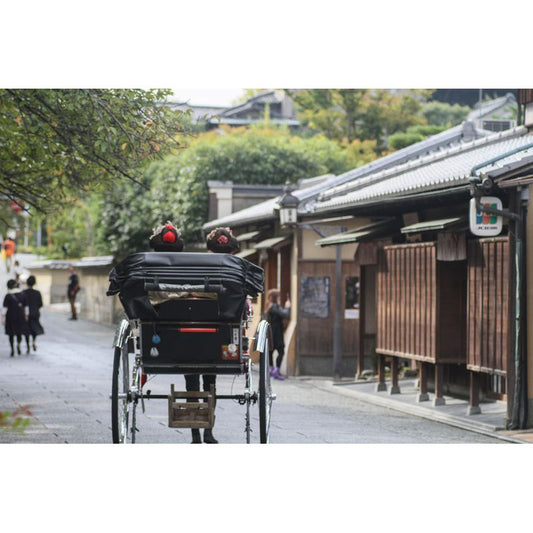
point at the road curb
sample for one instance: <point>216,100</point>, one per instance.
<point>476,427</point>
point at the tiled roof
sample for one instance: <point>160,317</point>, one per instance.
<point>489,107</point>
<point>439,143</point>
<point>438,171</point>
<point>329,186</point>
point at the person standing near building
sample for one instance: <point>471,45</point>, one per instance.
<point>9,248</point>
<point>18,271</point>
<point>72,290</point>
<point>15,316</point>
<point>275,314</point>
<point>34,301</point>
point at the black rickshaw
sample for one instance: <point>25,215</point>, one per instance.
<point>186,313</point>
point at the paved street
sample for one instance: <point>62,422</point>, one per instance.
<point>68,381</point>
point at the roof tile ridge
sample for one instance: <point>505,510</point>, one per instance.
<point>365,181</point>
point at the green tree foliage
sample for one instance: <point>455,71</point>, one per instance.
<point>364,114</point>
<point>426,130</point>
<point>178,189</point>
<point>397,141</point>
<point>360,152</point>
<point>74,229</point>
<point>54,143</point>
<point>412,135</point>
<point>387,112</point>
<point>443,114</point>
<point>127,215</point>
<point>334,112</point>
<point>251,156</point>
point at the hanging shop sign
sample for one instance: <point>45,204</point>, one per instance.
<point>486,224</point>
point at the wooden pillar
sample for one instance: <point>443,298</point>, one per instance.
<point>361,336</point>
<point>395,387</point>
<point>381,386</point>
<point>439,385</point>
<point>423,395</point>
<point>473,406</point>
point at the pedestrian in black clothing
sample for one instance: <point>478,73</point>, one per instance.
<point>35,302</point>
<point>275,314</point>
<point>15,316</point>
<point>72,290</point>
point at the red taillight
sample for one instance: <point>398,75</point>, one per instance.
<point>198,330</point>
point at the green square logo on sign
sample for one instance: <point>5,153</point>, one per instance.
<point>485,224</point>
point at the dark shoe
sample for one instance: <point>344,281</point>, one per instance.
<point>196,438</point>
<point>73,318</point>
<point>12,354</point>
<point>19,350</point>
<point>208,437</point>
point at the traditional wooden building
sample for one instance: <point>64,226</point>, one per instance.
<point>324,335</point>
<point>439,297</point>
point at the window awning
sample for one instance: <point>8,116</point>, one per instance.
<point>247,252</point>
<point>274,242</point>
<point>372,230</point>
<point>434,225</point>
<point>247,236</point>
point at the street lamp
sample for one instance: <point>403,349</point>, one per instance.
<point>288,207</point>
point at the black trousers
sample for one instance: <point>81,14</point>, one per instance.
<point>279,358</point>
<point>192,382</point>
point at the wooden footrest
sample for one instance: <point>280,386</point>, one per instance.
<point>191,414</point>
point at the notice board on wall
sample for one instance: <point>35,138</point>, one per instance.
<point>315,296</point>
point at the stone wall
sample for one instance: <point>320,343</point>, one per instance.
<point>95,305</point>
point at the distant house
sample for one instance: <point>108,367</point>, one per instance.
<point>280,111</point>
<point>226,197</point>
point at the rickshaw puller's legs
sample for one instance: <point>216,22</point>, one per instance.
<point>192,383</point>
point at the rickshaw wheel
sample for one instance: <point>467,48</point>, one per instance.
<point>120,399</point>
<point>265,395</point>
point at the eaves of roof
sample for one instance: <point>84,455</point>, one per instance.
<point>434,172</point>
<point>260,212</point>
<point>359,234</point>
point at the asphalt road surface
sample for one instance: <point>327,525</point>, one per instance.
<point>67,385</point>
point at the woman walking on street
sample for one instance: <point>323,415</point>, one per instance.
<point>72,291</point>
<point>15,316</point>
<point>275,315</point>
<point>35,302</point>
